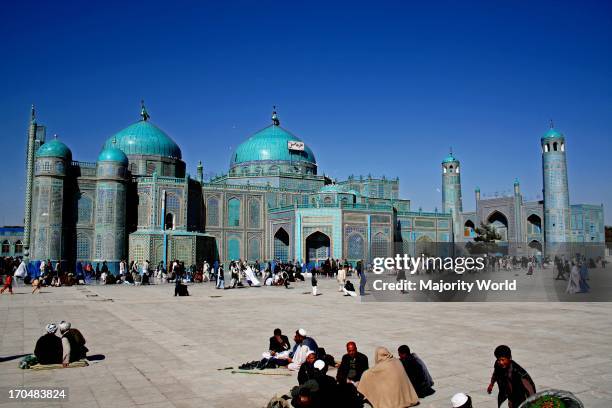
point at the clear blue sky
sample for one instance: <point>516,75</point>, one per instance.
<point>381,88</point>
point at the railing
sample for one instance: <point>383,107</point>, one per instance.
<point>83,164</point>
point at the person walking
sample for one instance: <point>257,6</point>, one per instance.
<point>8,284</point>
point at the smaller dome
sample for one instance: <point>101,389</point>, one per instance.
<point>113,154</point>
<point>449,159</point>
<point>552,133</point>
<point>331,188</point>
<point>54,148</point>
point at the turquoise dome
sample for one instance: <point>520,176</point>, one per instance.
<point>144,138</point>
<point>552,133</point>
<point>54,148</point>
<point>449,159</point>
<point>270,144</point>
<point>113,154</point>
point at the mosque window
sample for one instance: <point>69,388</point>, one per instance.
<point>173,205</point>
<point>562,147</point>
<point>138,254</point>
<point>233,249</point>
<point>233,212</point>
<point>98,246</point>
<point>59,167</point>
<point>46,167</point>
<point>84,205</point>
<point>109,208</point>
<point>379,245</point>
<point>546,148</point>
<point>274,169</point>
<point>254,246</point>
<point>143,209</point>
<point>281,245</point>
<point>254,213</point>
<point>555,146</point>
<point>82,247</point>
<point>18,247</point>
<point>327,200</point>
<point>212,212</point>
<point>355,246</point>
<point>6,247</point>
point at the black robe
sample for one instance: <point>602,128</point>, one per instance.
<point>360,365</point>
<point>515,384</point>
<point>49,349</point>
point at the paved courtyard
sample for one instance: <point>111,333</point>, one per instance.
<point>164,351</point>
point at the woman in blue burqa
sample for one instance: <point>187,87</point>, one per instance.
<point>584,276</point>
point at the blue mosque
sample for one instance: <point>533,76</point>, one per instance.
<point>136,202</point>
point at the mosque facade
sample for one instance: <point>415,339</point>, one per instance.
<point>137,202</point>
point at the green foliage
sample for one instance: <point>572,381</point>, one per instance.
<point>485,240</point>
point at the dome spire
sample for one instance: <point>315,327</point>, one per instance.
<point>143,111</point>
<point>552,125</point>
<point>275,120</point>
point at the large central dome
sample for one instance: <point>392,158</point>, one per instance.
<point>144,138</point>
<point>271,144</point>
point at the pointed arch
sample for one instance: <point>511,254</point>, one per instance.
<point>281,245</point>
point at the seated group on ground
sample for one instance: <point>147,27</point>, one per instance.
<point>392,382</point>
<point>64,349</point>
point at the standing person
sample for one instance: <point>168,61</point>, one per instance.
<point>362,277</point>
<point>386,385</point>
<point>313,282</point>
<point>8,284</point>
<point>573,282</point>
<point>514,383</point>
<point>584,276</point>
<point>341,278</point>
<point>220,277</point>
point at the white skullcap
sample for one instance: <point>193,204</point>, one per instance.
<point>51,328</point>
<point>64,325</point>
<point>319,364</point>
<point>302,332</point>
<point>459,399</point>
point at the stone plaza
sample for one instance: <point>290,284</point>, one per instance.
<point>151,349</point>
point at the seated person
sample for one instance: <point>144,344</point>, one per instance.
<point>349,289</point>
<point>352,366</point>
<point>307,370</point>
<point>303,346</point>
<point>48,348</point>
<point>73,343</point>
<point>416,371</point>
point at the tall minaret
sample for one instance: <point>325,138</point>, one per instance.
<point>200,172</point>
<point>451,193</point>
<point>555,187</point>
<point>27,219</point>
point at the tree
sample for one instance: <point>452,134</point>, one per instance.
<point>485,240</point>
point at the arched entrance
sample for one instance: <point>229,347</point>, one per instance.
<point>281,245</point>
<point>469,229</point>
<point>500,222</point>
<point>534,224</point>
<point>317,247</point>
<point>535,247</point>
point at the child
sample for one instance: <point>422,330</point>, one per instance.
<point>313,281</point>
<point>513,381</point>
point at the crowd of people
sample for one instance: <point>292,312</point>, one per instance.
<point>391,382</point>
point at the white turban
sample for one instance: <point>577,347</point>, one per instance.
<point>459,399</point>
<point>64,325</point>
<point>302,332</point>
<point>319,364</point>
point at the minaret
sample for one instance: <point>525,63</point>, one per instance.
<point>518,218</point>
<point>555,187</point>
<point>451,193</point>
<point>200,172</point>
<point>27,219</point>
